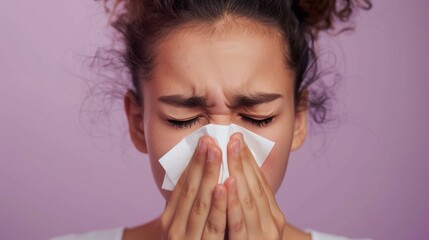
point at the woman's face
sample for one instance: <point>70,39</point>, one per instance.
<point>230,73</point>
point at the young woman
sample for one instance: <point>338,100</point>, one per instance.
<point>244,62</point>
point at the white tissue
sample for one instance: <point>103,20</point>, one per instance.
<point>175,161</point>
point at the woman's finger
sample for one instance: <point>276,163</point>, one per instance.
<point>255,184</point>
<point>247,201</point>
<point>236,224</point>
<point>216,222</point>
<point>275,209</point>
<point>203,200</point>
<point>189,188</point>
<point>171,205</point>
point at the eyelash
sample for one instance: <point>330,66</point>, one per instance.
<point>191,122</point>
<point>258,122</point>
<point>183,124</point>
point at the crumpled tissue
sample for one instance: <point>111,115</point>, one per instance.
<point>175,160</point>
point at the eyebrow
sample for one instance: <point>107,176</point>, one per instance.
<point>248,101</point>
<point>181,101</point>
<point>239,101</point>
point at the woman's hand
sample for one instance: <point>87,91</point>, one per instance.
<point>197,206</point>
<point>252,210</point>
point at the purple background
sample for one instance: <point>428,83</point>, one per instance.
<point>365,177</point>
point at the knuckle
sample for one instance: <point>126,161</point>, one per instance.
<point>258,190</point>
<point>200,206</point>
<point>238,226</point>
<point>189,191</point>
<point>248,201</point>
<point>213,229</point>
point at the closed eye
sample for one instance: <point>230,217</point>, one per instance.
<point>258,122</point>
<point>183,123</point>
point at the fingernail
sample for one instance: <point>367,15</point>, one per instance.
<point>202,145</point>
<point>241,140</point>
<point>211,155</point>
<point>236,147</point>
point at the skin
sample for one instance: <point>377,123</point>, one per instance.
<point>234,71</point>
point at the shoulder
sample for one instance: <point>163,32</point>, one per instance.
<point>315,235</point>
<point>108,234</point>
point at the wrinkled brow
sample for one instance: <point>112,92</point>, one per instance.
<point>248,101</point>
<point>239,101</point>
<point>181,101</point>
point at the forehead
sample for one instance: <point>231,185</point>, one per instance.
<point>229,28</point>
<point>232,51</point>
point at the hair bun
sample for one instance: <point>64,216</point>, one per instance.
<point>319,15</point>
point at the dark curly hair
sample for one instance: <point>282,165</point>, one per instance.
<point>141,24</point>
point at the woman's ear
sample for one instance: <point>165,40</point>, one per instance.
<point>134,114</point>
<point>300,126</point>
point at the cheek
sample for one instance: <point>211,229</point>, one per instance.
<point>158,174</point>
<point>160,138</point>
<point>274,167</point>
